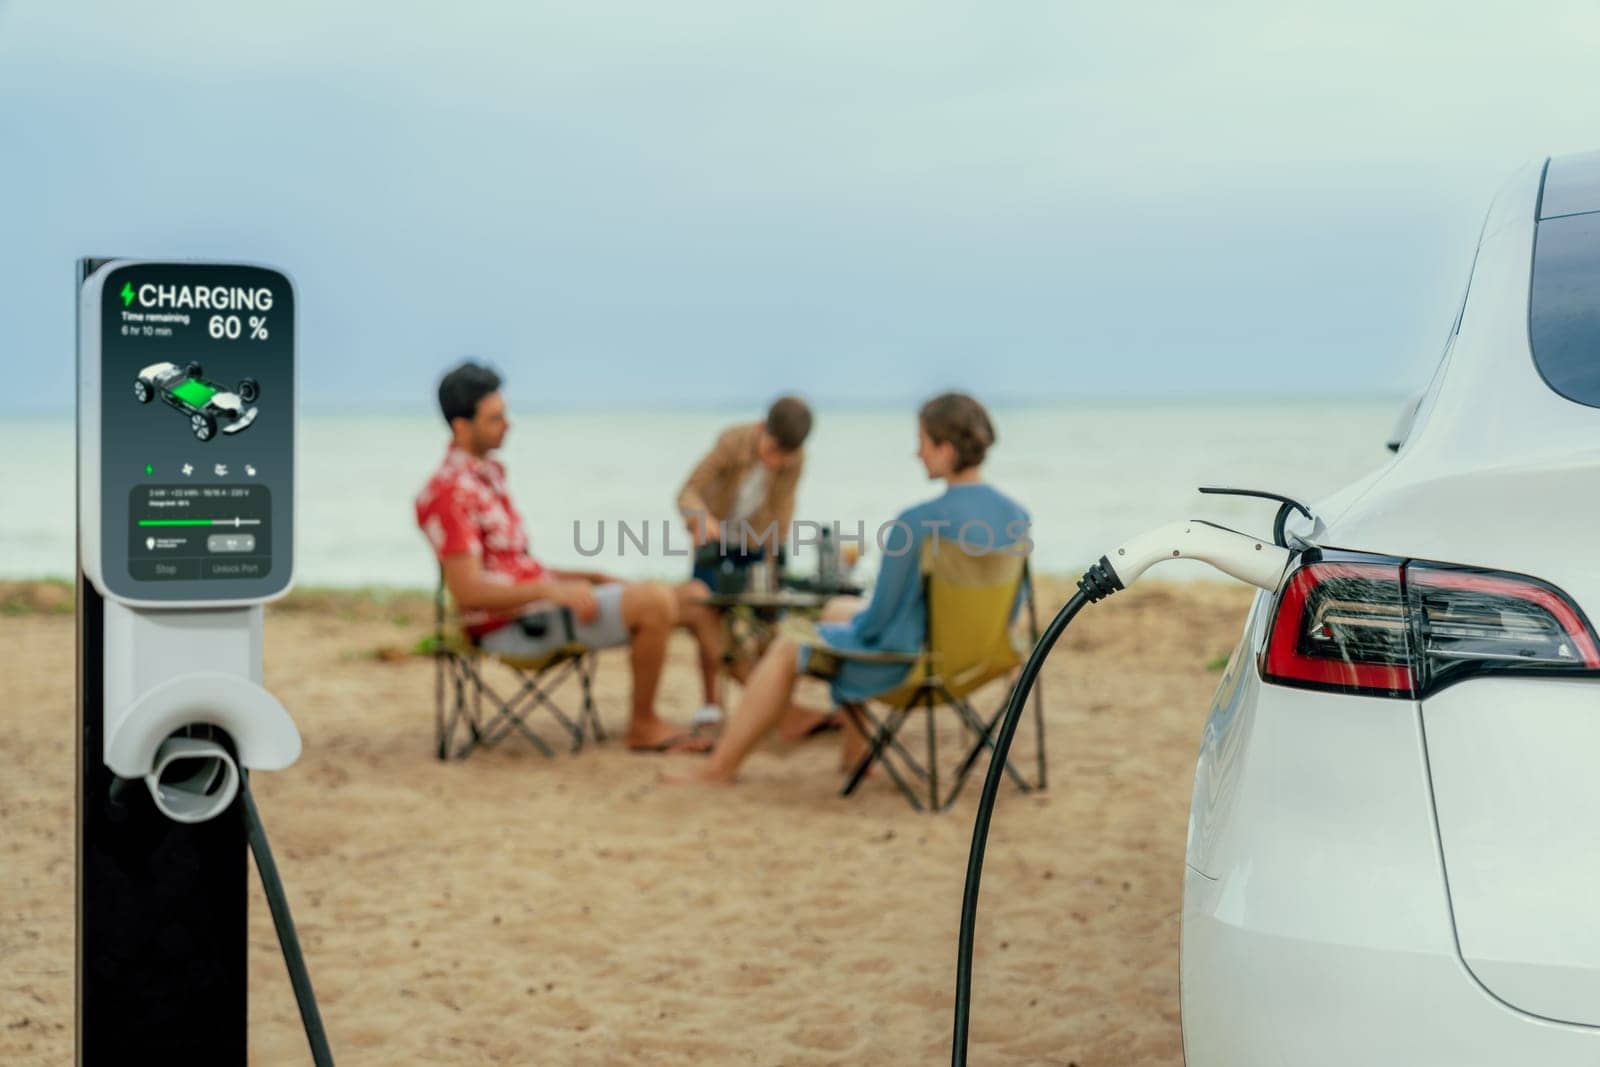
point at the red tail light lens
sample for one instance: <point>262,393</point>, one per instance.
<point>1387,628</point>
<point>1342,626</point>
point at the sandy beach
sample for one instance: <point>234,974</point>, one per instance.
<point>516,909</point>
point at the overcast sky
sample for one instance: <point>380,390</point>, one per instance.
<point>709,201</point>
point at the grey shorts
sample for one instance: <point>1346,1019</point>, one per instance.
<point>541,631</point>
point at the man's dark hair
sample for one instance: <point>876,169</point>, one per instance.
<point>789,422</point>
<point>462,388</point>
<point>958,419</point>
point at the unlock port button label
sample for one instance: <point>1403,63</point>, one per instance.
<point>237,568</point>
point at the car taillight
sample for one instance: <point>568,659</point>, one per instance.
<point>1465,620</point>
<point>1341,626</point>
<point>1389,628</point>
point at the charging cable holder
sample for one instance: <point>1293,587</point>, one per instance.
<point>169,672</point>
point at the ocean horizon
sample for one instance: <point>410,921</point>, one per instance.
<point>1090,475</point>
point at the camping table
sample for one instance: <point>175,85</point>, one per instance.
<point>750,620</point>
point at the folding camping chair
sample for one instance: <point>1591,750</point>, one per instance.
<point>461,690</point>
<point>969,602</point>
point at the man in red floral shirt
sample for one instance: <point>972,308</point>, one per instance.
<point>510,603</point>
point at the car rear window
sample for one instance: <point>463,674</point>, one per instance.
<point>1564,313</point>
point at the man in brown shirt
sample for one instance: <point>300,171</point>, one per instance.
<point>741,493</point>
<point>738,503</point>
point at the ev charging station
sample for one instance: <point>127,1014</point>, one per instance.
<point>186,453</point>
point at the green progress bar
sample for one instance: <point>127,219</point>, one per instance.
<point>179,522</point>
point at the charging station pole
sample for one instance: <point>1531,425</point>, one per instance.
<point>186,394</point>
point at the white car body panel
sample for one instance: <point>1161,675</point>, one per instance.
<point>1324,936</point>
<point>1385,881</point>
<point>1519,818</point>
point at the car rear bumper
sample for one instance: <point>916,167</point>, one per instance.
<point>1259,998</point>
<point>1316,921</point>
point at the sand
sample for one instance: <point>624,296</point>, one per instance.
<point>517,909</point>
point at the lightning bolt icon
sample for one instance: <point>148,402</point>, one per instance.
<point>126,294</point>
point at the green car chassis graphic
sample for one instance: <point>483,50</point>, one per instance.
<point>209,406</point>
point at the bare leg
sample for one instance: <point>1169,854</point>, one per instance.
<point>766,696</point>
<point>705,623</point>
<point>650,610</point>
<point>800,722</point>
<point>740,666</point>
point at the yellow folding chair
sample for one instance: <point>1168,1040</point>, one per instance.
<point>461,690</point>
<point>970,603</point>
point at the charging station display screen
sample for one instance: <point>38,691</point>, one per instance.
<point>196,431</point>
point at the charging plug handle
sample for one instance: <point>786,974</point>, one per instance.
<point>1253,560</point>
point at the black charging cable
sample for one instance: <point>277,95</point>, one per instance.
<point>1099,582</point>
<point>278,902</point>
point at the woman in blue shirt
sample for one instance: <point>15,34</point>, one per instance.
<point>954,435</point>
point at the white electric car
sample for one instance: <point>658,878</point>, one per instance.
<point>1394,843</point>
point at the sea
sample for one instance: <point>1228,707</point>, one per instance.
<point>596,489</point>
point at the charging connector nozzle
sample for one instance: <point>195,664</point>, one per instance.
<point>1253,560</point>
